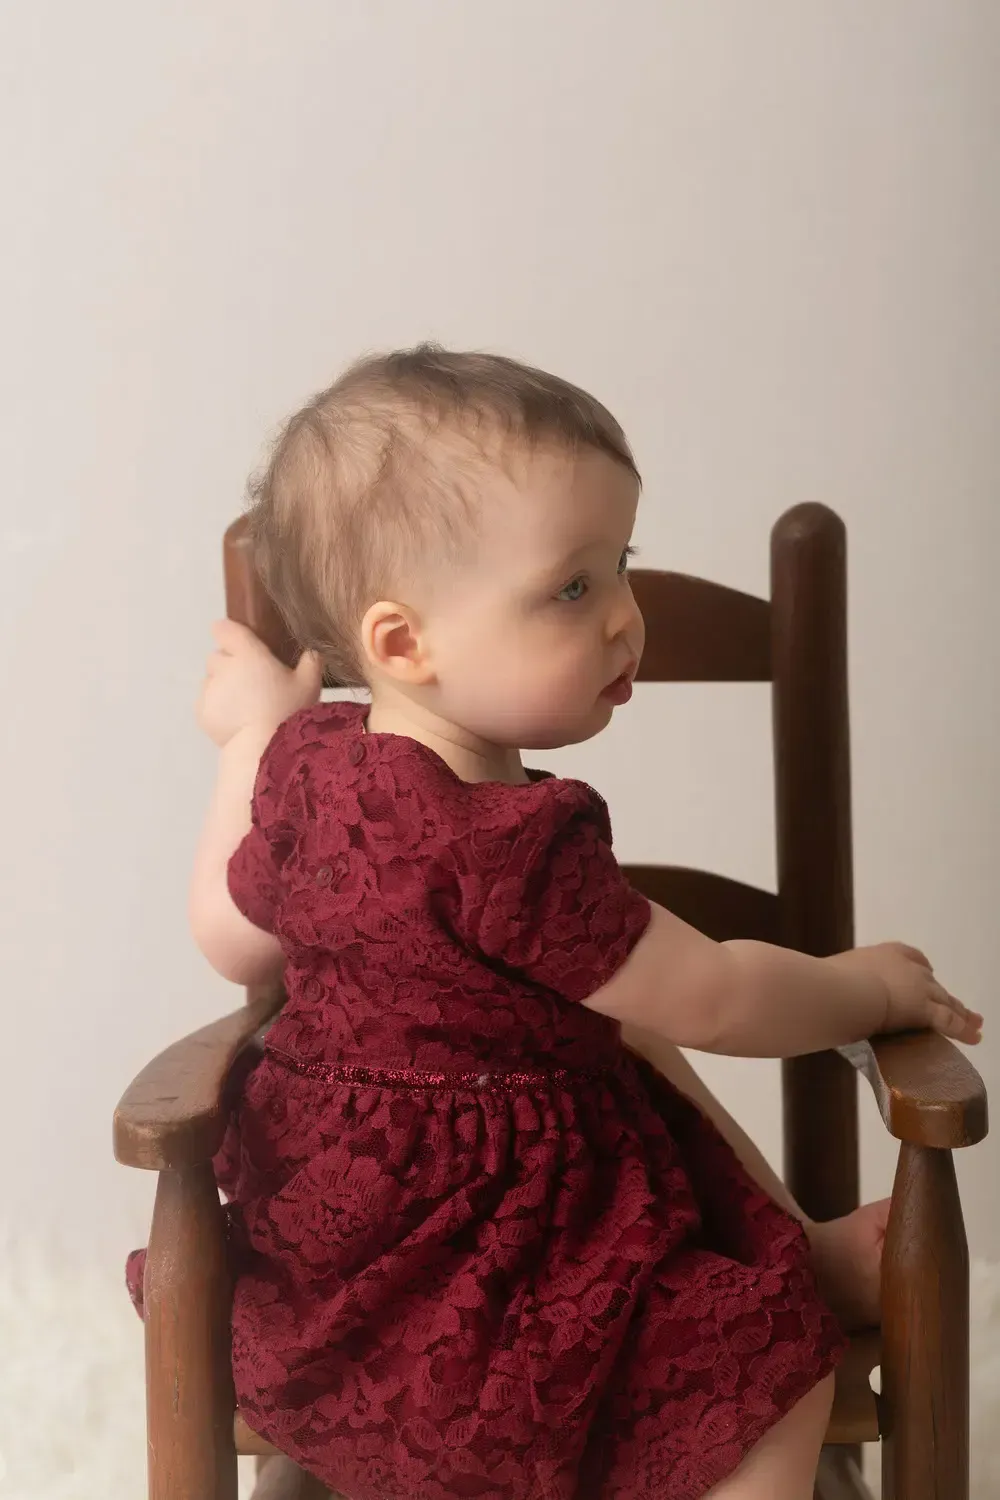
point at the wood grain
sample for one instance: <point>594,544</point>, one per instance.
<point>854,1418</point>
<point>927,1090</point>
<point>698,631</point>
<point>813,824</point>
<point>186,1301</point>
<point>173,1113</point>
<point>925,1333</point>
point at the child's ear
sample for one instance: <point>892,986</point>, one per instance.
<point>393,642</point>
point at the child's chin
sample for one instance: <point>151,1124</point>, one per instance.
<point>569,730</point>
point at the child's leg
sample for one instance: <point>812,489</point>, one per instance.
<point>847,1253</point>
<point>671,1062</point>
<point>783,1464</point>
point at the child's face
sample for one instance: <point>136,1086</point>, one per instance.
<point>528,636</point>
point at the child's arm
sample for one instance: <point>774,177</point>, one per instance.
<point>751,999</point>
<point>246,695</point>
<point>233,946</point>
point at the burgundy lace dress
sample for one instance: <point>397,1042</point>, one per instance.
<point>481,1250</point>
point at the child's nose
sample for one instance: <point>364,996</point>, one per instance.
<point>625,621</point>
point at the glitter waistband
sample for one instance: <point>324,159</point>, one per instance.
<point>477,1080</point>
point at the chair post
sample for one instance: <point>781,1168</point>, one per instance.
<point>186,1308</point>
<point>925,1333</point>
<point>247,601</point>
<point>813,818</point>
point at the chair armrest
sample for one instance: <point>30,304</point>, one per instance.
<point>174,1114</point>
<point>927,1091</point>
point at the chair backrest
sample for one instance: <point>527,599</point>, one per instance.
<point>698,631</point>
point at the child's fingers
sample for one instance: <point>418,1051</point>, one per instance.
<point>916,956</point>
<point>952,1019</point>
<point>945,998</point>
<point>221,633</point>
<point>309,668</point>
<point>230,635</point>
<point>948,1023</point>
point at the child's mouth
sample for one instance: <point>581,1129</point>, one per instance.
<point>619,691</point>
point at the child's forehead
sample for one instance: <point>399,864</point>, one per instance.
<point>556,493</point>
<point>555,512</point>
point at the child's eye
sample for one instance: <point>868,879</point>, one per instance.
<point>623,561</point>
<point>574,590</point>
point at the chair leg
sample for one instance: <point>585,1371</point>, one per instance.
<point>925,1333</point>
<point>187,1303</point>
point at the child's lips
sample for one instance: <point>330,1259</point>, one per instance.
<point>619,691</point>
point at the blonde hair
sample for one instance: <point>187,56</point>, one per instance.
<point>367,479</point>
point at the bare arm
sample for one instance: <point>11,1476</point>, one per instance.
<point>233,946</point>
<point>750,999</point>
<point>247,693</point>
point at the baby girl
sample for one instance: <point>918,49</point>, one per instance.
<point>483,1248</point>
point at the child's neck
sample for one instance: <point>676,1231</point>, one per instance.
<point>471,758</point>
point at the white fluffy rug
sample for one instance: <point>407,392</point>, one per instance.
<point>71,1403</point>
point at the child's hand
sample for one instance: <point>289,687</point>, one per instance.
<point>246,685</point>
<point>914,998</point>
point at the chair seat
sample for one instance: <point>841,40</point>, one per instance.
<point>854,1418</point>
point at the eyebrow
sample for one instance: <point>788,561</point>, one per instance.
<point>561,568</point>
<point>566,567</point>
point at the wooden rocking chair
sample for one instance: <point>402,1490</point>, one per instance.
<point>172,1117</point>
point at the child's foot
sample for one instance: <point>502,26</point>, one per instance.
<point>847,1254</point>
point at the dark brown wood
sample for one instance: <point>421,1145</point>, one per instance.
<point>718,907</point>
<point>246,598</point>
<point>173,1114</point>
<point>821,1167</point>
<point>854,1418</point>
<point>186,1299</point>
<point>839,1477</point>
<point>927,1091</point>
<point>925,1333</point>
<point>813,819</point>
<point>698,631</point>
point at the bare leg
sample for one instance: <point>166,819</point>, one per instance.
<point>783,1464</point>
<point>847,1253</point>
<point>671,1062</point>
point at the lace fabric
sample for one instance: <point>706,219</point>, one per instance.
<point>480,1248</point>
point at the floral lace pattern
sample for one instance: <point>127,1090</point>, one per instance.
<point>481,1250</point>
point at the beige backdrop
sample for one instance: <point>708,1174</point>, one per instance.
<point>766,234</point>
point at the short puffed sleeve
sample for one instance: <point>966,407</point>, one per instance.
<point>254,873</point>
<point>544,895</point>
